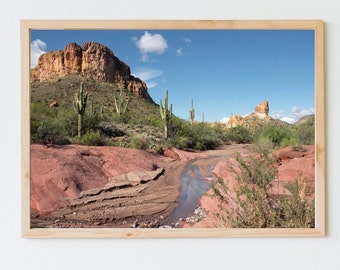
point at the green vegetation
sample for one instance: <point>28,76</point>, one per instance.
<point>124,120</point>
<point>200,136</point>
<point>121,101</point>
<point>237,134</point>
<point>166,113</point>
<point>253,206</point>
<point>192,112</point>
<point>79,105</point>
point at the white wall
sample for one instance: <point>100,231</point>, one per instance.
<point>258,253</point>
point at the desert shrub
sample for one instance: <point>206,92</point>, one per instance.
<point>294,142</point>
<point>52,125</point>
<point>263,146</point>
<point>201,137</point>
<point>51,131</point>
<point>39,111</point>
<point>181,143</point>
<point>124,118</point>
<point>68,121</point>
<point>45,127</point>
<point>305,132</point>
<point>297,210</point>
<point>275,134</point>
<point>237,134</point>
<point>285,142</point>
<point>138,142</point>
<point>253,206</point>
<point>109,129</point>
<point>92,121</point>
<point>92,138</point>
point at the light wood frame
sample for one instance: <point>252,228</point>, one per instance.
<point>320,170</point>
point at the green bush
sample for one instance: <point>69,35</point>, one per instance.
<point>199,136</point>
<point>293,142</point>
<point>51,131</point>
<point>263,146</point>
<point>297,210</point>
<point>138,142</point>
<point>305,132</point>
<point>202,137</point>
<point>237,134</point>
<point>181,143</point>
<point>275,134</point>
<point>254,206</point>
<point>52,125</point>
<point>92,121</point>
<point>92,138</point>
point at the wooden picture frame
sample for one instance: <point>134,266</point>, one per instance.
<point>320,172</point>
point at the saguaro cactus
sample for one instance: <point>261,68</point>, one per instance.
<point>166,113</point>
<point>192,112</point>
<point>92,110</point>
<point>121,101</point>
<point>79,105</point>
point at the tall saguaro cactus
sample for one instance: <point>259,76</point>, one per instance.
<point>79,105</point>
<point>192,112</point>
<point>166,113</point>
<point>121,101</point>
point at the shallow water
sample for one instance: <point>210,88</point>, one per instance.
<point>194,186</point>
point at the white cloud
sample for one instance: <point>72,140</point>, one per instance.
<point>151,84</point>
<point>295,115</point>
<point>277,114</point>
<point>147,75</point>
<point>38,48</point>
<point>151,43</point>
<point>288,119</point>
<point>179,51</point>
<point>187,41</point>
<point>224,120</point>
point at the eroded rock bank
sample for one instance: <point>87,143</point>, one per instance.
<point>87,186</point>
<point>80,186</point>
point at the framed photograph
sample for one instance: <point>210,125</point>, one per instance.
<point>163,129</point>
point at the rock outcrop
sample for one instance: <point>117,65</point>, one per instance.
<point>60,174</point>
<point>261,112</point>
<point>93,61</point>
<point>235,121</point>
<point>262,109</point>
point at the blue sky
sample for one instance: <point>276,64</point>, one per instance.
<point>225,72</point>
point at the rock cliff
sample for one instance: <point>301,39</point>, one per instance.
<point>261,112</point>
<point>93,61</point>
<point>262,109</point>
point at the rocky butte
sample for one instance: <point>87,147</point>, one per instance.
<point>261,112</point>
<point>93,61</point>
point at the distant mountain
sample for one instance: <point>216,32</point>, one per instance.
<point>304,119</point>
<point>93,61</point>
